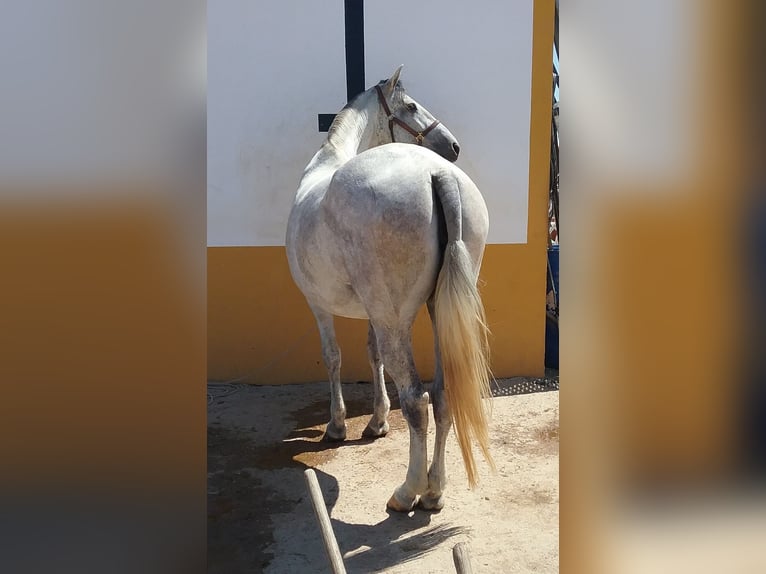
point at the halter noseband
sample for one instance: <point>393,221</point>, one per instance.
<point>392,119</point>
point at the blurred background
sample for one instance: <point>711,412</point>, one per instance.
<point>102,314</point>
<point>662,299</point>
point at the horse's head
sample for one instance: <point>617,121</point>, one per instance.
<point>402,119</point>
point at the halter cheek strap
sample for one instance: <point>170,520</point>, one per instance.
<point>392,119</point>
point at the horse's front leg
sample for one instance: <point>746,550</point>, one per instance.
<point>336,428</point>
<point>396,351</point>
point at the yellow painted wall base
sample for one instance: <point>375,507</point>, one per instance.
<point>261,331</point>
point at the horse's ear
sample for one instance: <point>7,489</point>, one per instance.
<point>393,80</point>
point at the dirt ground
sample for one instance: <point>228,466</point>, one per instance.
<point>261,439</point>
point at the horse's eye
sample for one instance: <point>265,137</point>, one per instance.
<point>413,107</point>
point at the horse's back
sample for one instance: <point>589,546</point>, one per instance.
<point>390,190</point>
<point>388,187</point>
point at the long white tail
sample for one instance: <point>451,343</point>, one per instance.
<point>461,327</point>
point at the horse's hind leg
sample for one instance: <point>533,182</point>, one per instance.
<point>336,428</point>
<point>378,425</point>
<point>433,498</point>
<point>396,352</point>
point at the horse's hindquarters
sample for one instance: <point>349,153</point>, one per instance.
<point>385,224</point>
<point>368,241</point>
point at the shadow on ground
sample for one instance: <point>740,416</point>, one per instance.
<point>258,448</point>
<point>386,548</point>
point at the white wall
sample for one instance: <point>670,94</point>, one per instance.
<point>273,65</point>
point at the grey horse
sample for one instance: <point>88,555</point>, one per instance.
<point>380,227</point>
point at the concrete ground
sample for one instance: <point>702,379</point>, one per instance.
<point>261,439</point>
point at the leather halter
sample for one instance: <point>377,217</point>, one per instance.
<point>392,119</point>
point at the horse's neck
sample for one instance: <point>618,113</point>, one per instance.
<point>352,132</point>
<point>354,129</point>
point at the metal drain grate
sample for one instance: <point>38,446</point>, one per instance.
<point>524,386</point>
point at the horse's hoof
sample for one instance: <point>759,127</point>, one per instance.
<point>375,431</point>
<point>431,502</point>
<point>394,503</point>
<point>334,433</point>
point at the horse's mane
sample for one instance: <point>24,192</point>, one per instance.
<point>341,121</point>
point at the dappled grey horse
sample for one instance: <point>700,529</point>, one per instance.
<point>380,227</point>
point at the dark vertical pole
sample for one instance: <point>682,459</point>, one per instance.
<point>354,10</point>
<point>354,30</point>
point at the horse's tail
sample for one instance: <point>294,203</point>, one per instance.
<point>462,332</point>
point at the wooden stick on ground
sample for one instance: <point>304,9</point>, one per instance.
<point>330,544</point>
<point>462,559</point>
